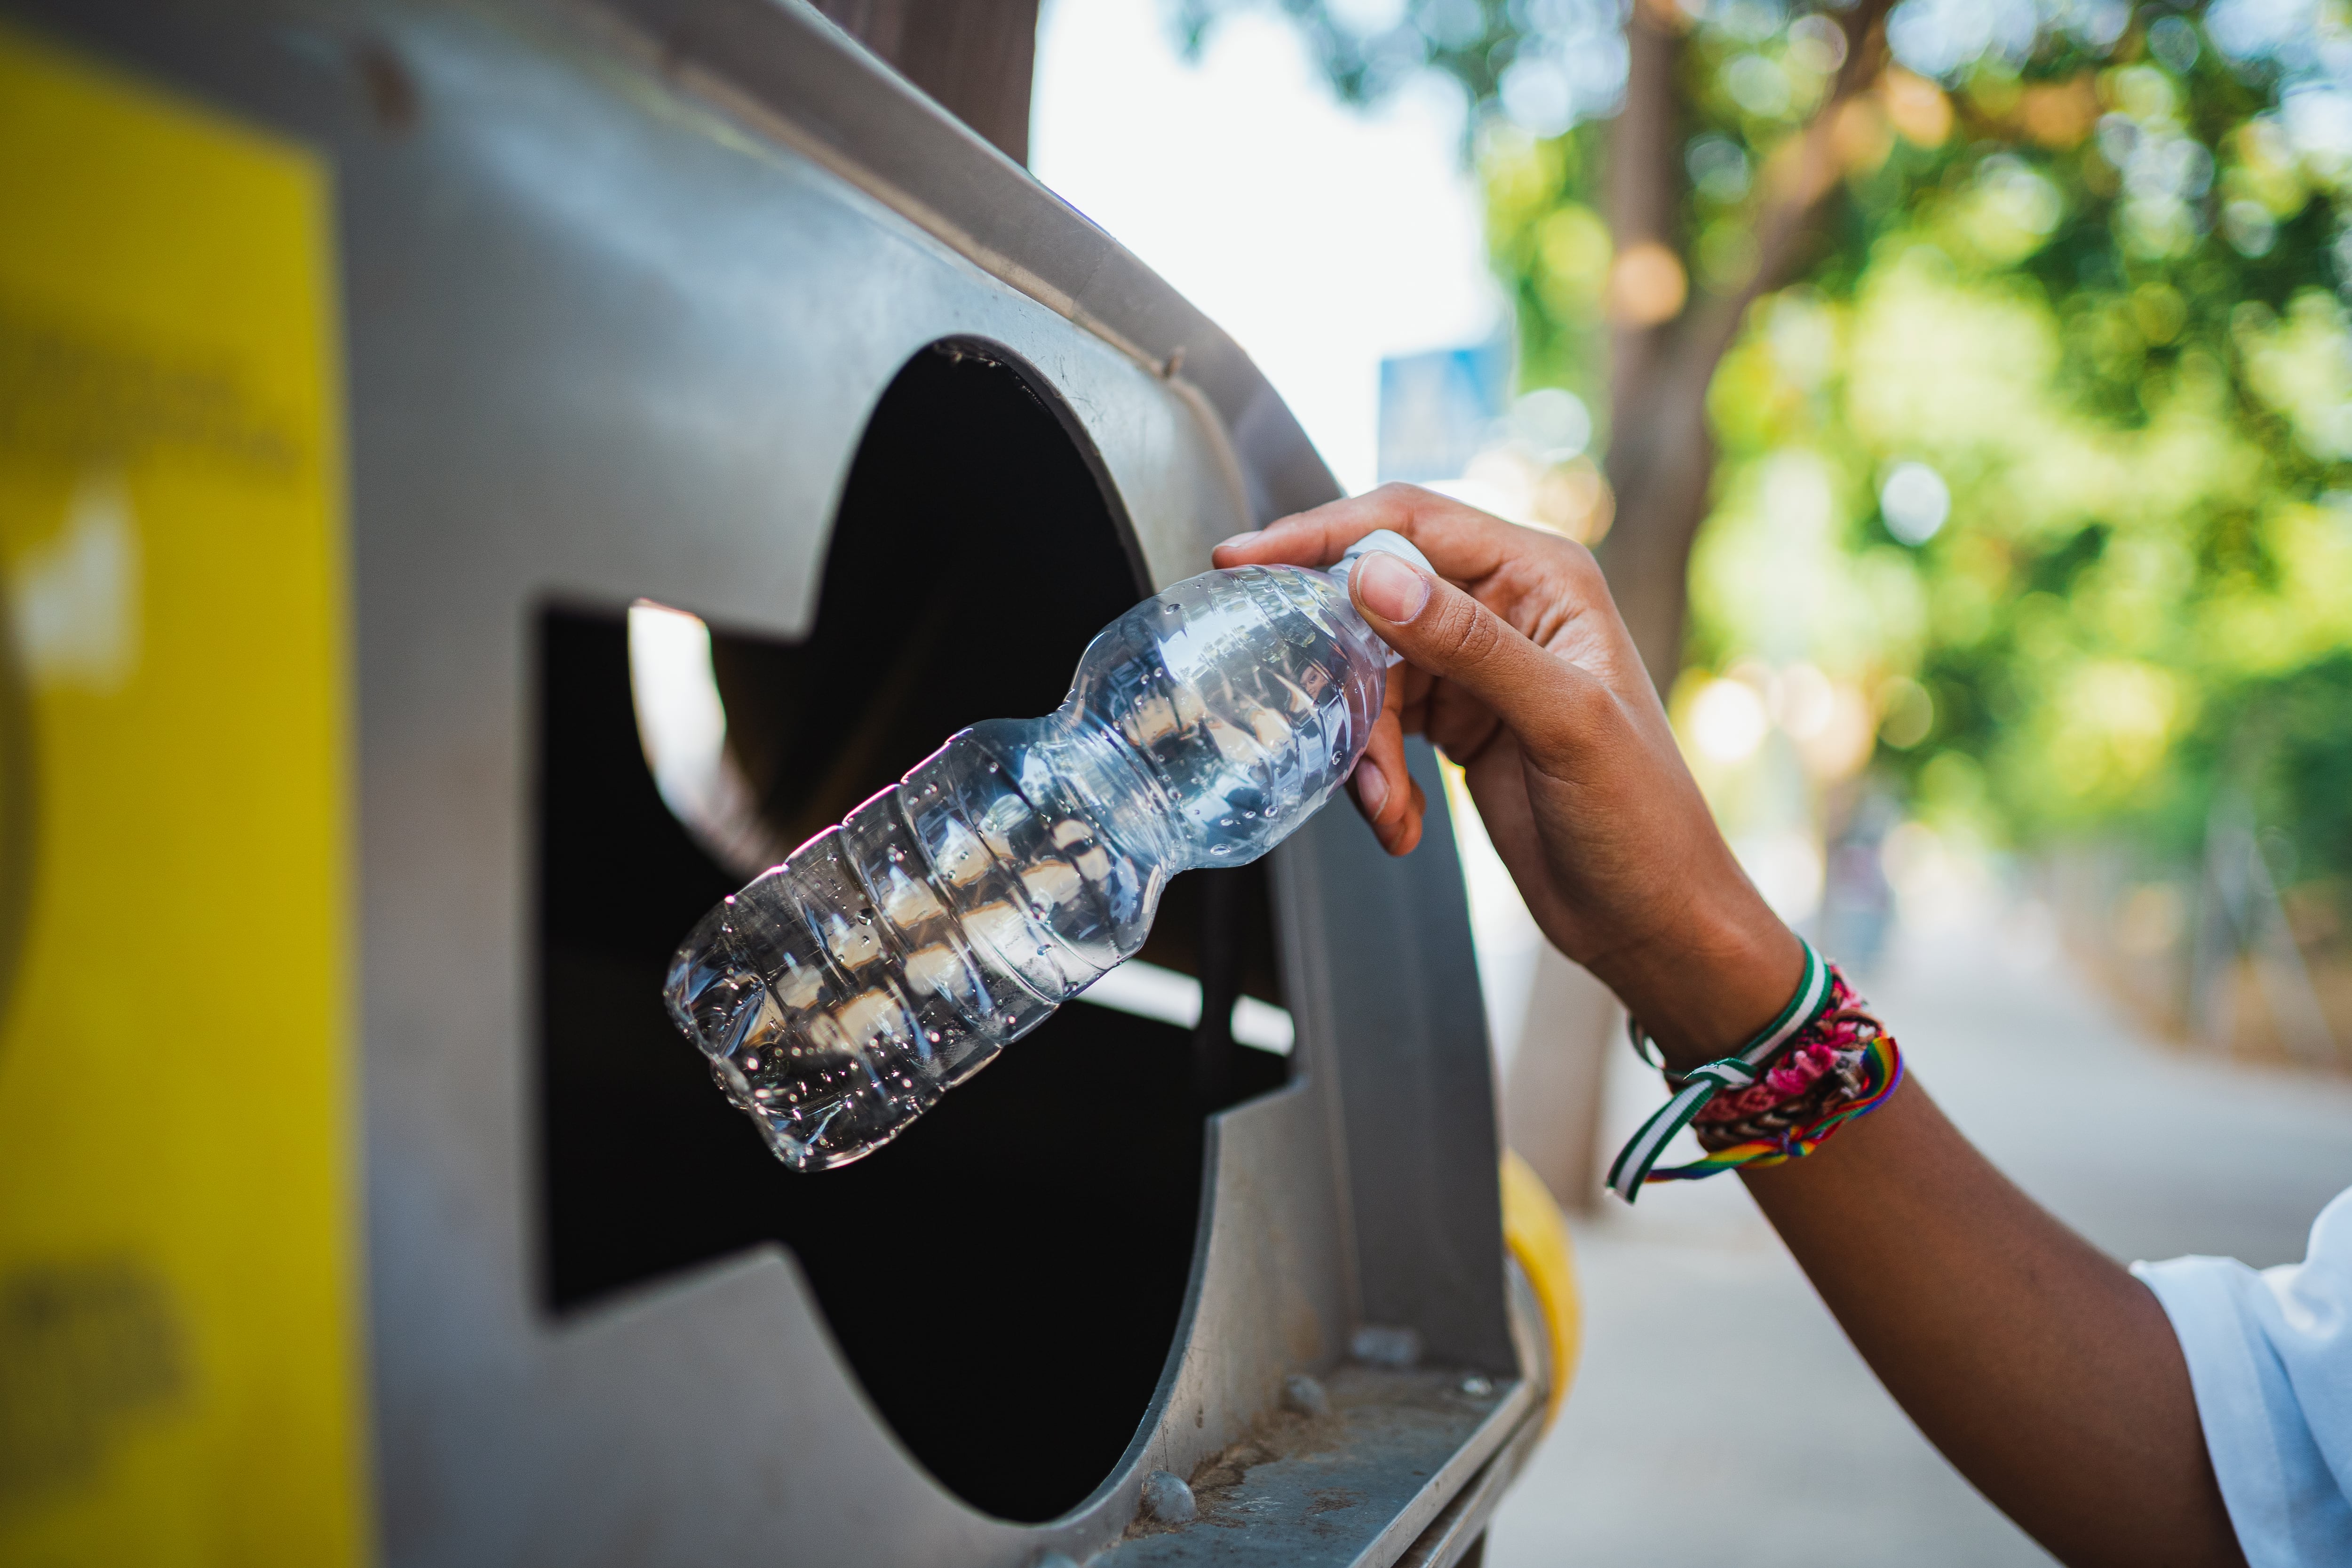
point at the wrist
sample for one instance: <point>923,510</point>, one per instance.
<point>1711,986</point>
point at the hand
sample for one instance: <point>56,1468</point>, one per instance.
<point>1517,667</point>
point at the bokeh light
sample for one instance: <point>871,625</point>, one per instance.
<point>1915,501</point>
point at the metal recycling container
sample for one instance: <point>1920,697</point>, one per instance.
<point>362,366</point>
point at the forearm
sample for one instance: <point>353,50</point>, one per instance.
<point>2041,1369</point>
<point>2045,1373</point>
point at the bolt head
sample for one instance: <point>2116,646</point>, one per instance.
<point>1304,1395</point>
<point>1167,1498</point>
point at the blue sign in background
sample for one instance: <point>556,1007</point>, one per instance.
<point>1438,408</point>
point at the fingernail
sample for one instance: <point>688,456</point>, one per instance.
<point>1390,588</point>
<point>1372,789</point>
<point>1240,538</point>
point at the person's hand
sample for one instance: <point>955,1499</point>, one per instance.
<point>1517,667</point>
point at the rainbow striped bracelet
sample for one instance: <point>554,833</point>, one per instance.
<point>1824,1018</point>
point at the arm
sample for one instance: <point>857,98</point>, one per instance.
<point>2041,1369</point>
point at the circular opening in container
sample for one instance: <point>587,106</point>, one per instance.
<point>1006,1279</point>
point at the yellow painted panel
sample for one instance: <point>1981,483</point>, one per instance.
<point>179,1378</point>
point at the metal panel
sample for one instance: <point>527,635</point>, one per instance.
<point>1375,1480</point>
<point>1390,985</point>
<point>795,72</point>
<point>620,290</point>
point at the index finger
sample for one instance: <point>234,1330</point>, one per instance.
<point>1546,588</point>
<point>1461,541</point>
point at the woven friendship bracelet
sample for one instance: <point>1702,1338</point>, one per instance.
<point>1842,1065</point>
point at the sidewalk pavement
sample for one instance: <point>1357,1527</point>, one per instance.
<point>1719,1414</point>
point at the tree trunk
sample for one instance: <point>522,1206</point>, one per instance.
<point>1662,467</point>
<point>1661,453</point>
<point>975,58</point>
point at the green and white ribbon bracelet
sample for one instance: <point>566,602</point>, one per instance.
<point>1633,1162</point>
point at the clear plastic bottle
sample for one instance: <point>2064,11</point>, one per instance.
<point>888,959</point>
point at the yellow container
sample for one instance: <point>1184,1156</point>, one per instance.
<point>178,1378</point>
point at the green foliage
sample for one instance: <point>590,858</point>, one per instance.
<point>2285,742</point>
<point>2312,770</point>
<point>2081,280</point>
<point>1469,40</point>
<point>2101,308</point>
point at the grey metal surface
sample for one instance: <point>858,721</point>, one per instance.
<point>796,73</point>
<point>620,288</point>
<point>1458,1533</point>
<point>1360,1486</point>
<point>1391,996</point>
<point>1461,1526</point>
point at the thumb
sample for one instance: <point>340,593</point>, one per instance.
<point>1441,629</point>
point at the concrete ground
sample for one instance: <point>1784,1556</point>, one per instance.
<point>2149,1151</point>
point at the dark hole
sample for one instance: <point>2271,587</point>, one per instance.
<point>1006,1278</point>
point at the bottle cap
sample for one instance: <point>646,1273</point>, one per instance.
<point>1389,543</point>
<point>1383,541</point>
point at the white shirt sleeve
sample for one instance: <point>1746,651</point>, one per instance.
<point>2270,1358</point>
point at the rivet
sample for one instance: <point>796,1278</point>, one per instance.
<point>1304,1395</point>
<point>1167,1498</point>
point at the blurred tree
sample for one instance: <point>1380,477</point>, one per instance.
<point>1664,344</point>
<point>1999,346</point>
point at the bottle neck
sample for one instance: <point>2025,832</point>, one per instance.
<point>1380,541</point>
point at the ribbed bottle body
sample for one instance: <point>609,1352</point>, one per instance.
<point>1248,694</point>
<point>840,994</point>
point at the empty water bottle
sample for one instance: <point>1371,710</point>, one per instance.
<point>888,959</point>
